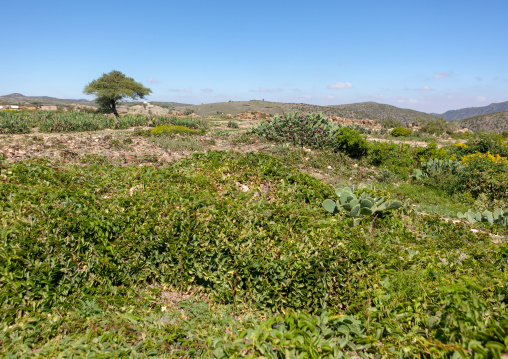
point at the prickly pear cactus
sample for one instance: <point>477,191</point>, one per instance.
<point>436,166</point>
<point>498,216</point>
<point>357,202</point>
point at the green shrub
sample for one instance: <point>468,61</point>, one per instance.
<point>390,154</point>
<point>389,122</point>
<point>233,124</point>
<point>429,152</point>
<point>351,142</point>
<point>484,173</point>
<point>312,130</point>
<point>486,142</point>
<point>399,131</point>
<point>172,130</point>
<point>190,122</point>
<point>315,131</point>
<point>435,127</point>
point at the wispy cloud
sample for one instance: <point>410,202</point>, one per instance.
<point>263,89</point>
<point>307,97</point>
<point>340,85</point>
<point>425,89</point>
<point>207,90</point>
<point>151,80</point>
<point>442,75</point>
<point>331,97</point>
<point>186,90</point>
<point>478,78</point>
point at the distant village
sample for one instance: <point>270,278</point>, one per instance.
<point>33,108</point>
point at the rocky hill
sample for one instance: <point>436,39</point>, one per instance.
<point>465,113</point>
<point>382,111</point>
<point>19,99</point>
<point>492,122</point>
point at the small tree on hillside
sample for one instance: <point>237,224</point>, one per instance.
<point>109,89</point>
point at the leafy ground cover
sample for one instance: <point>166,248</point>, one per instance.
<point>229,254</point>
<point>50,121</point>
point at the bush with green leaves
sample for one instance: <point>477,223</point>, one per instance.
<point>11,123</point>
<point>436,127</point>
<point>233,124</point>
<point>172,130</point>
<point>396,157</point>
<point>389,122</point>
<point>351,142</point>
<point>89,253</point>
<point>484,173</point>
<point>315,131</point>
<point>483,142</point>
<point>399,131</point>
<point>312,130</point>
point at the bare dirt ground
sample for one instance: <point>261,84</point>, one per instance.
<point>127,147</point>
<point>119,146</point>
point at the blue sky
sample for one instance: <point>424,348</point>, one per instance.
<point>430,55</point>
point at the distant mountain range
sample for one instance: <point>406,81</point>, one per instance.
<point>489,118</point>
<point>463,113</point>
<point>19,99</point>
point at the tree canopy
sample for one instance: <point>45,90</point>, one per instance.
<point>111,88</point>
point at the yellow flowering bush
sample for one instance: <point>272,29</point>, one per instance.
<point>484,173</point>
<point>485,156</point>
<point>461,144</point>
<point>169,130</point>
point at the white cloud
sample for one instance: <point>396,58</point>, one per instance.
<point>400,100</point>
<point>152,80</point>
<point>442,75</point>
<point>425,88</point>
<point>262,89</point>
<point>481,99</point>
<point>331,97</point>
<point>207,90</point>
<point>412,100</point>
<point>379,96</point>
<point>306,97</point>
<point>186,90</point>
<point>340,85</point>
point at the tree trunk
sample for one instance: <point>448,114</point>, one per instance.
<point>113,107</point>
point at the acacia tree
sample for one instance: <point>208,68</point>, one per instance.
<point>109,89</point>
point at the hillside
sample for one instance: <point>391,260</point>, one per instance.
<point>382,111</point>
<point>17,98</point>
<point>492,122</point>
<point>464,113</point>
<point>365,110</point>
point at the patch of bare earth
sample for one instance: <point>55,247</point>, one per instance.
<point>119,146</point>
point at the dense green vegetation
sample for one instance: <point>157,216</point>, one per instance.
<point>49,121</point>
<point>227,255</point>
